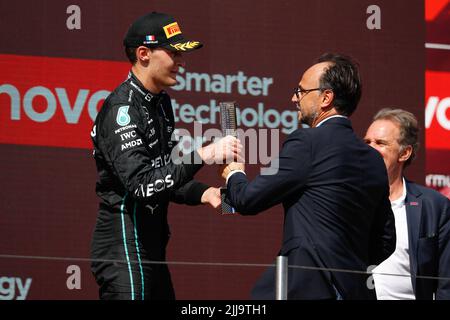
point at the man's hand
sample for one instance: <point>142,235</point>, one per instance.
<point>226,169</point>
<point>224,150</point>
<point>212,197</point>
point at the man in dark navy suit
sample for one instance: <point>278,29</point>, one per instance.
<point>334,189</point>
<point>422,217</point>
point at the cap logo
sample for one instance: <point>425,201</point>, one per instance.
<point>186,45</point>
<point>172,30</point>
<point>150,39</point>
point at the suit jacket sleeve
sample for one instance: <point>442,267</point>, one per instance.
<point>383,236</point>
<point>291,170</point>
<point>443,290</point>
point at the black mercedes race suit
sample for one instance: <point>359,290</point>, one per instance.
<point>136,180</point>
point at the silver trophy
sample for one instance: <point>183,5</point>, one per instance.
<point>228,124</point>
<point>228,121</point>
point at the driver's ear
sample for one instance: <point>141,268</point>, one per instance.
<point>143,54</point>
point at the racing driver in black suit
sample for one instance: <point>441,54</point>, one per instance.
<point>137,174</point>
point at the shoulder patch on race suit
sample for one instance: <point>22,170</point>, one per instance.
<point>123,118</point>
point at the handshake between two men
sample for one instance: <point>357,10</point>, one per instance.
<point>228,152</point>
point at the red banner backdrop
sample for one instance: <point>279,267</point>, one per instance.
<point>57,101</point>
<point>56,72</point>
<point>437,95</point>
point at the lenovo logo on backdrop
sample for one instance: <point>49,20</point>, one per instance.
<point>53,101</point>
<point>437,110</point>
<point>51,98</point>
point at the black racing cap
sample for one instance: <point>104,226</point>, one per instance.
<point>158,30</point>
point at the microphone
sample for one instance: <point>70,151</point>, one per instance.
<point>228,124</point>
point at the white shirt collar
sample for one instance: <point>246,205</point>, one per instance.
<point>335,116</point>
<point>400,201</point>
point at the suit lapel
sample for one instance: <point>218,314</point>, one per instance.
<point>413,205</point>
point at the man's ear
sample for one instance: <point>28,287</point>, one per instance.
<point>405,154</point>
<point>327,98</point>
<point>143,54</point>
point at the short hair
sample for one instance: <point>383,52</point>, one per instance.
<point>408,125</point>
<point>130,52</point>
<point>342,76</point>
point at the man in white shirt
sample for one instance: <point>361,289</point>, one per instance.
<point>422,217</point>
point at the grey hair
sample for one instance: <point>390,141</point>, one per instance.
<point>409,128</point>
